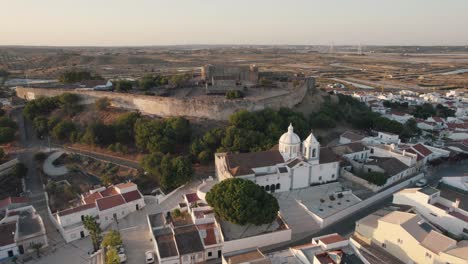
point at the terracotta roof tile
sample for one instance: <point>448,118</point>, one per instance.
<point>110,202</point>
<point>192,197</point>
<point>242,163</point>
<point>92,197</point>
<point>76,209</point>
<point>422,149</point>
<point>109,191</point>
<point>13,200</point>
<point>332,239</point>
<point>131,196</point>
<point>7,230</point>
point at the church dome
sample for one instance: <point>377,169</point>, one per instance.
<point>290,138</point>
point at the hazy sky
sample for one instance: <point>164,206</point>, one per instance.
<point>163,22</point>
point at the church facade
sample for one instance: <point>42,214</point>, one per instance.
<point>293,165</point>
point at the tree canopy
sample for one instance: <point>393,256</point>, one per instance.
<point>171,172</point>
<point>112,239</point>
<point>94,230</point>
<point>74,76</point>
<point>242,202</point>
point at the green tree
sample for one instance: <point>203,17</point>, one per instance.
<point>8,122</point>
<point>102,103</point>
<point>410,129</point>
<point>20,170</point>
<point>112,239</point>
<point>63,129</point>
<point>424,111</point>
<point>234,94</point>
<point>94,230</point>
<point>7,134</point>
<point>242,202</point>
<point>70,103</point>
<point>74,76</point>
<point>40,106</point>
<point>123,86</point>
<point>171,172</point>
<point>146,83</point>
<point>37,247</point>
<point>112,256</point>
<point>40,124</point>
<point>124,127</point>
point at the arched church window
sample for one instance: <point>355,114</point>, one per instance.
<point>267,188</point>
<point>278,186</point>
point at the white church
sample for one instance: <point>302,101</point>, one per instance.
<point>291,166</point>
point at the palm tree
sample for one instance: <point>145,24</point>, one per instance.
<point>94,230</point>
<point>37,247</point>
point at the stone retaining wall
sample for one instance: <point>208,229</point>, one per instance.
<point>204,107</point>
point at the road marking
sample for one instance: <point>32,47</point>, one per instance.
<point>127,228</point>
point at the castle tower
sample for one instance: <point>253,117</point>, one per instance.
<point>290,144</point>
<point>311,149</point>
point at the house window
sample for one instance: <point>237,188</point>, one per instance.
<point>210,254</point>
<point>400,241</point>
<point>428,255</point>
<point>383,245</point>
<point>313,153</point>
<point>333,176</point>
<point>320,178</point>
<point>278,186</point>
<point>372,151</point>
<point>267,188</point>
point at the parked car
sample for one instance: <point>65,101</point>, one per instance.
<point>122,257</point>
<point>149,257</point>
<point>421,183</point>
<point>121,249</point>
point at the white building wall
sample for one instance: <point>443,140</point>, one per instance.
<point>4,251</point>
<point>257,241</point>
<point>434,214</point>
<point>300,176</point>
<point>75,218</point>
<point>273,179</point>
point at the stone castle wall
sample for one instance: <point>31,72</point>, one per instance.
<point>205,107</point>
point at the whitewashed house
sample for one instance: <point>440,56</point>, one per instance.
<point>441,212</point>
<point>106,204</point>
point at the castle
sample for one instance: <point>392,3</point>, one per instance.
<point>291,166</point>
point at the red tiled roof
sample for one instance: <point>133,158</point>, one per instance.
<point>109,191</point>
<point>210,238</point>
<point>76,209</point>
<point>110,202</point>
<point>8,234</point>
<point>192,197</point>
<point>131,196</point>
<point>419,157</point>
<point>92,197</point>
<point>332,239</point>
<point>422,150</point>
<point>12,200</point>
